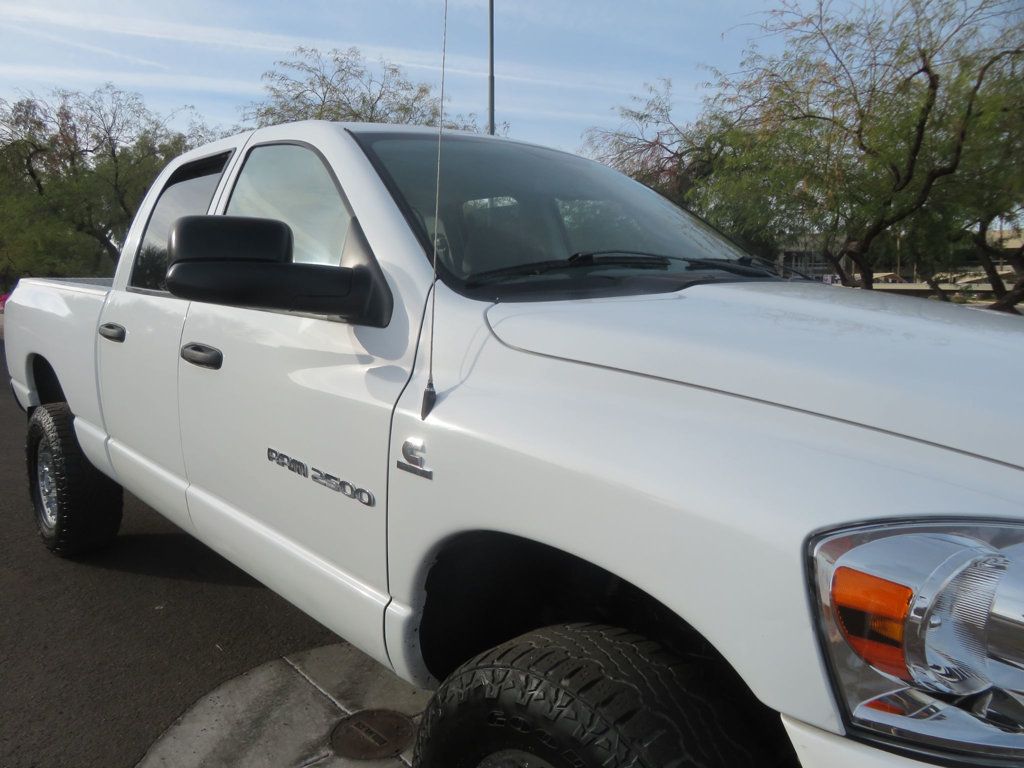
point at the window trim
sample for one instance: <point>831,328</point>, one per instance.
<point>222,210</point>
<point>286,143</point>
<point>152,292</point>
<point>227,155</point>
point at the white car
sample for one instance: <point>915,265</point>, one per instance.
<point>665,508</point>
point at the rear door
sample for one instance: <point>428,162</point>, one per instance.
<point>140,333</point>
<point>286,443</point>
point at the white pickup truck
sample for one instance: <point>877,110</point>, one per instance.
<point>667,509</point>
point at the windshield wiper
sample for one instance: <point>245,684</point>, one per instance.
<point>744,267</point>
<point>750,266</point>
<point>785,268</point>
<point>576,261</point>
<point>733,266</point>
<point>619,258</point>
<point>588,256</point>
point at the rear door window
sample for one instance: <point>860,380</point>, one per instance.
<point>188,192</point>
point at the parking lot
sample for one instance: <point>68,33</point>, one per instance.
<point>98,657</point>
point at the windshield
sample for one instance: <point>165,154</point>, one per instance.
<point>515,216</point>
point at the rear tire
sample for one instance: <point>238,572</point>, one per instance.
<point>77,508</point>
<point>584,696</point>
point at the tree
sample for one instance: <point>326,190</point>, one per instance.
<point>868,114</point>
<point>33,242</point>
<point>989,188</point>
<point>680,159</point>
<point>73,170</point>
<point>341,85</point>
<point>652,147</point>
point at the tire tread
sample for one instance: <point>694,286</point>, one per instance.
<point>619,698</point>
<point>89,504</point>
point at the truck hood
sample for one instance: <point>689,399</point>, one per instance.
<point>936,372</point>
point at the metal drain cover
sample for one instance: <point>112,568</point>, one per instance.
<point>372,734</point>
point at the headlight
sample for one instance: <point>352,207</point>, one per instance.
<point>923,627</point>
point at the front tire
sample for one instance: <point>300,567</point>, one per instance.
<point>77,508</point>
<point>583,696</point>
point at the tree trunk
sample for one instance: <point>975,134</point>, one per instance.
<point>112,251</point>
<point>936,288</point>
<point>867,273</point>
<point>102,238</point>
<point>867,277</point>
<point>994,278</point>
<point>984,251</point>
<point>1013,297</point>
<point>837,262</point>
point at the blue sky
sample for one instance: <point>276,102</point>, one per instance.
<point>561,66</point>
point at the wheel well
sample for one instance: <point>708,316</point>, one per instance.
<point>45,381</point>
<point>485,588</point>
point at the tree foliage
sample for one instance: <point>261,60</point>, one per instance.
<point>74,168</point>
<point>874,121</point>
<point>341,85</point>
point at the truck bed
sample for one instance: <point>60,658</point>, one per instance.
<point>98,282</point>
<point>52,322</point>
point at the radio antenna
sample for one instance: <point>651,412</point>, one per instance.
<point>430,394</point>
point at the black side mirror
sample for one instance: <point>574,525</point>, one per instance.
<point>247,262</point>
<point>229,238</point>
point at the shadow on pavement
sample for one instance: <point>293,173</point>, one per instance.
<point>99,655</point>
<point>169,555</point>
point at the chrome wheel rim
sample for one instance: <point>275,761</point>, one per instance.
<point>514,758</point>
<point>47,484</point>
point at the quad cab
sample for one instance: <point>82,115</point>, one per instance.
<point>668,508</point>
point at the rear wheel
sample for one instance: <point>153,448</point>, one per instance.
<point>584,696</point>
<point>77,508</point>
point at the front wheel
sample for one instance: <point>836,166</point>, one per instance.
<point>77,508</point>
<point>583,696</point>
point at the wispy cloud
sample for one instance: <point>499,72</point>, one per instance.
<point>561,65</point>
<point>535,112</point>
<point>170,82</point>
<point>221,37</point>
<point>81,46</point>
<point>596,15</point>
<point>148,28</point>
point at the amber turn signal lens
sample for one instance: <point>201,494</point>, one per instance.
<point>871,613</point>
<point>922,624</point>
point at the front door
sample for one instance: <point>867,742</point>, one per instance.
<point>286,442</point>
<point>140,331</point>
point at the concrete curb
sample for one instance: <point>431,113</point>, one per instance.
<point>281,714</point>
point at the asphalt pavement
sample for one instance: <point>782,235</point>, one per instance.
<point>100,655</point>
